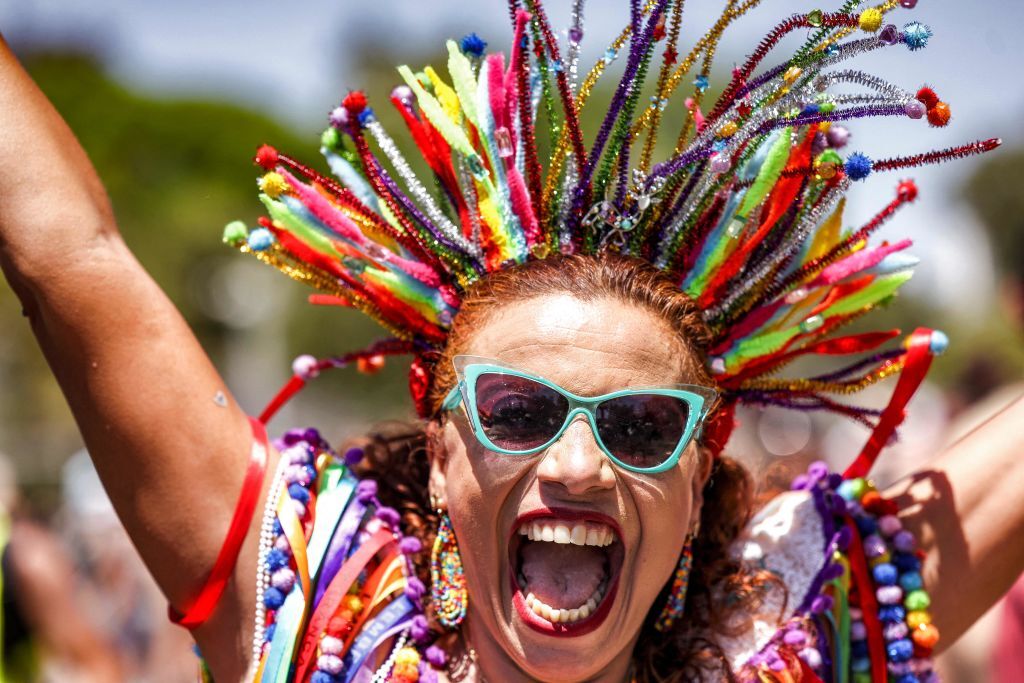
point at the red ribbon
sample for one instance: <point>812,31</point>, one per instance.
<point>868,604</point>
<point>917,361</point>
<point>200,610</point>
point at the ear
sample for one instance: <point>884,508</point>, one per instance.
<point>701,474</point>
<point>438,455</point>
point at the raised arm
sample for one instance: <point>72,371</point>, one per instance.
<point>968,512</point>
<point>172,455</point>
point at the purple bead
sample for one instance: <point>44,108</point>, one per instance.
<point>858,631</point>
<point>427,673</point>
<point>353,456</point>
<point>832,571</point>
<point>915,109</point>
<point>338,117</point>
<point>817,470</point>
<point>905,542</point>
<point>842,538</point>
<point>720,163</point>
<point>899,668</point>
<point>889,595</point>
<point>889,35</point>
<point>908,4</point>
<point>819,144</point>
<point>800,483</point>
<point>575,34</point>
<point>410,545</point>
<point>838,136</point>
<point>796,637</point>
<point>419,629</point>
<point>895,630</point>
<point>811,657</point>
<point>874,546</point>
<point>414,589</point>
<point>889,525</point>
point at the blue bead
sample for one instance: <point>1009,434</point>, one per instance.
<point>858,166</point>
<point>938,343</point>
<point>273,598</point>
<point>311,471</point>
<point>299,493</point>
<point>701,82</point>
<point>892,613</point>
<point>473,45</point>
<point>866,525</point>
<point>268,635</point>
<point>260,239</point>
<point>899,650</point>
<point>277,559</point>
<point>906,562</point>
<point>911,581</point>
<point>859,648</point>
<point>811,109</point>
<point>846,490</point>
<point>885,574</point>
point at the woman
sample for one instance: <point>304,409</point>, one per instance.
<point>577,362</point>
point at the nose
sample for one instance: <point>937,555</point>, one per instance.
<point>575,462</point>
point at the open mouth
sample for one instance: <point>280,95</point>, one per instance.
<point>565,568</point>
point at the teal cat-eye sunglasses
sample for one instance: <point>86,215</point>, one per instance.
<point>643,429</point>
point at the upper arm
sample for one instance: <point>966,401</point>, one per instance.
<point>967,511</point>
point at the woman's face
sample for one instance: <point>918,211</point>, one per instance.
<point>625,530</point>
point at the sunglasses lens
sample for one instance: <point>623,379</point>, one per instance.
<point>642,430</point>
<point>516,413</point>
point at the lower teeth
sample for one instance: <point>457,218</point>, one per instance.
<point>566,616</point>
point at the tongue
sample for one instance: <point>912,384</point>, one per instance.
<point>561,574</point>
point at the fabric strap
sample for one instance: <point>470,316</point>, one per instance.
<point>209,595</point>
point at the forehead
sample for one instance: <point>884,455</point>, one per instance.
<point>588,347</point>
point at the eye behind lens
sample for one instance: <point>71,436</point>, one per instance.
<point>518,413</point>
<point>643,430</point>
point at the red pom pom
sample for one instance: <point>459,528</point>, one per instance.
<point>938,115</point>
<point>355,102</point>
<point>370,365</point>
<point>928,96</point>
<point>907,190</point>
<point>419,386</point>
<point>659,29</point>
<point>266,156</point>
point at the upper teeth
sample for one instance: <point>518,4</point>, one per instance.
<point>578,533</point>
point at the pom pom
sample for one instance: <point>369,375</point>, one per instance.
<point>299,493</point>
<point>389,516</point>
<point>370,365</point>
<point>330,138</point>
<point>410,545</point>
<point>273,185</point>
<point>473,45</point>
<point>266,156</point>
<point>260,239</point>
<point>907,190</point>
<point>305,367</point>
<point>354,102</point>
<point>354,456</point>
<point>403,94</point>
<point>436,656</point>
<point>938,115</point>
<point>283,580</point>
<point>332,664</point>
<point>414,589</point>
<point>916,35</point>
<point>858,166</point>
<point>366,491</point>
<point>870,20</point>
<point>419,629</point>
<point>329,645</point>
<point>277,559</point>
<point>235,233</point>
<point>273,598</point>
<point>928,97</point>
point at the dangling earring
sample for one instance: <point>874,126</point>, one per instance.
<point>448,583</point>
<point>673,608</point>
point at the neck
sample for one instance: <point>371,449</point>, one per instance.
<point>492,663</point>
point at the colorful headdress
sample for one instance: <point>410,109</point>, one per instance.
<point>745,213</point>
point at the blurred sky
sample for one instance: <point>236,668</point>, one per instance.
<point>295,59</point>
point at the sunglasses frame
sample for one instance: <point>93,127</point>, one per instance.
<point>468,369</point>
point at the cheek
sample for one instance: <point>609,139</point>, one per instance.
<point>664,508</point>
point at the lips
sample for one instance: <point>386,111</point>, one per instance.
<point>564,566</point>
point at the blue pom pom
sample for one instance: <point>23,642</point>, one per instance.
<point>911,581</point>
<point>273,598</point>
<point>811,109</point>
<point>299,493</point>
<point>892,613</point>
<point>858,166</point>
<point>277,559</point>
<point>908,678</point>
<point>885,574</point>
<point>899,650</point>
<point>473,45</point>
<point>365,116</point>
<point>278,529</point>
<point>916,35</point>
<point>322,677</point>
<point>260,239</point>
